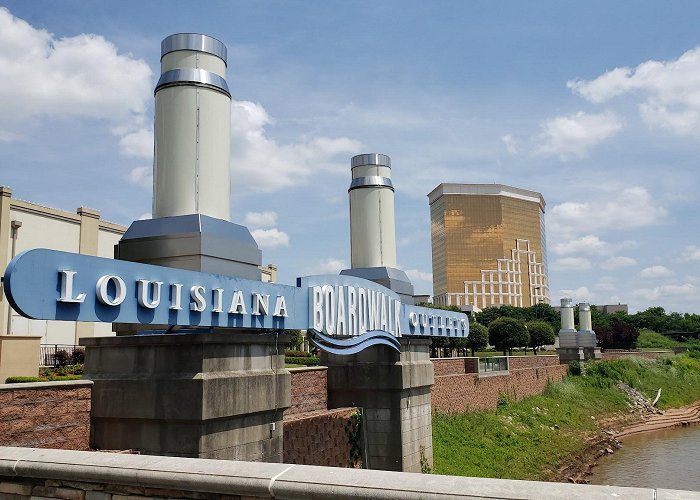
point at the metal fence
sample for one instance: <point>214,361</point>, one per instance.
<point>494,364</point>
<point>48,357</point>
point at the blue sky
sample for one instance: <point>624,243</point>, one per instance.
<point>594,104</point>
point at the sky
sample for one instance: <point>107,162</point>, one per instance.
<point>594,104</point>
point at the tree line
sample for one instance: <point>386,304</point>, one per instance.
<point>509,327</point>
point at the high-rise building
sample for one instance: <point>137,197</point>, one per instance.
<point>488,243</point>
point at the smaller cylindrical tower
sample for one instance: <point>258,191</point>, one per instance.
<point>567,316</point>
<point>372,227</point>
<point>192,129</point>
<point>584,318</point>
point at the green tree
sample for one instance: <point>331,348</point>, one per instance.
<point>489,314</point>
<point>478,338</point>
<point>458,343</point>
<point>541,333</point>
<point>295,338</point>
<point>507,333</point>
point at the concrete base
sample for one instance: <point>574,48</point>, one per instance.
<point>218,395</point>
<point>394,392</point>
<point>194,242</point>
<point>567,354</point>
<point>394,279</point>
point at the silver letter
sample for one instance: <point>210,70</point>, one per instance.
<point>67,287</point>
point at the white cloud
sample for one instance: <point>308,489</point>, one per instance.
<point>260,219</point>
<point>573,135</point>
<point>659,292</point>
<point>138,144</point>
<point>270,238</point>
<point>617,262</point>
<point>83,75</point>
<point>590,245</point>
<point>328,266</point>
<point>581,293</point>
<point>264,165</point>
<point>571,263</point>
<point>511,144</point>
<point>654,272</point>
<point>606,287</point>
<point>141,176</point>
<point>629,208</point>
<point>670,90</point>
<point>691,252</point>
<point>416,275</point>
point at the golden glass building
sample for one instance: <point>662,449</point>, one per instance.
<point>488,243</point>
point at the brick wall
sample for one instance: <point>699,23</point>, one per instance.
<point>608,355</point>
<point>46,415</point>
<point>470,392</point>
<point>309,390</point>
<point>520,362</point>
<point>458,366</point>
<point>319,438</point>
<point>454,366</point>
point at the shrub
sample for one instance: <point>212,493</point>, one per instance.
<point>297,354</point>
<point>61,358</point>
<point>307,360</point>
<point>78,357</point>
<point>503,401</point>
<point>575,368</point>
<point>22,380</point>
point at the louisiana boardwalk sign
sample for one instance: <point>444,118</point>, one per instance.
<point>51,285</point>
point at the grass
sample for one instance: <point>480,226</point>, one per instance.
<point>532,438</point>
<point>649,339</point>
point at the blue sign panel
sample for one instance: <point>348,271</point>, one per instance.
<point>52,285</point>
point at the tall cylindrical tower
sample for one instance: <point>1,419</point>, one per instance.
<point>584,318</point>
<point>192,129</point>
<point>372,228</point>
<point>567,316</point>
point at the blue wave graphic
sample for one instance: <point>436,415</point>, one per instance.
<point>354,345</point>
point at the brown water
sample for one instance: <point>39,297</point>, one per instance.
<point>668,458</point>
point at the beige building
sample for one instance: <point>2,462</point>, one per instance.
<point>488,245</point>
<point>25,225</point>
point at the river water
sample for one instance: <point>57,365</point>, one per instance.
<point>668,458</point>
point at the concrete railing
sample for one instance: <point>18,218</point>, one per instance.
<point>27,472</point>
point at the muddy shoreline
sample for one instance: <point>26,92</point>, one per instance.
<point>616,429</point>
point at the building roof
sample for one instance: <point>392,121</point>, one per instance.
<point>486,190</point>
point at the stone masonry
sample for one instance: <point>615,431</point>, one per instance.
<point>46,415</point>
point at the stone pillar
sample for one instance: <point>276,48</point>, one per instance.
<point>393,389</point>
<point>5,234</point>
<point>217,395</point>
<point>89,234</point>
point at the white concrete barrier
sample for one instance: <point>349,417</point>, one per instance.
<point>27,472</point>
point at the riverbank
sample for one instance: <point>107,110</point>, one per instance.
<point>559,435</point>
<point>579,470</point>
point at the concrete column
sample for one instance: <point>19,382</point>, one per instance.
<point>218,395</point>
<point>584,318</point>
<point>89,233</point>
<point>586,337</point>
<point>5,202</point>
<point>393,390</point>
